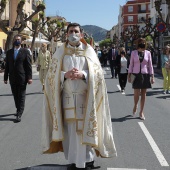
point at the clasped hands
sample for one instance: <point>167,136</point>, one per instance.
<point>74,74</point>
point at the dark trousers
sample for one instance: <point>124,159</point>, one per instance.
<point>113,68</point>
<point>105,62</point>
<point>122,80</point>
<point>19,92</point>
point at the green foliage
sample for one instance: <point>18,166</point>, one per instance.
<point>41,7</point>
<point>149,38</point>
<point>3,3</point>
<point>87,40</point>
<point>41,14</point>
<point>106,42</point>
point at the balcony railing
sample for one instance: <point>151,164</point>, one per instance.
<point>141,11</point>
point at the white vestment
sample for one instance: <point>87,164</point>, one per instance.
<point>76,114</point>
<point>74,97</point>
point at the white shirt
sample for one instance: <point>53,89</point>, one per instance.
<point>123,65</point>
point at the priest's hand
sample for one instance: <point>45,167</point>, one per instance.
<point>74,74</point>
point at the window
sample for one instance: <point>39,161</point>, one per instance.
<point>149,7</point>
<point>143,7</point>
<point>130,8</point>
<point>130,18</point>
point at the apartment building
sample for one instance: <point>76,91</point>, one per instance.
<point>165,36</point>
<point>10,14</point>
<point>5,18</point>
<point>134,12</point>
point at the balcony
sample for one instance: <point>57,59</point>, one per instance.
<point>141,11</point>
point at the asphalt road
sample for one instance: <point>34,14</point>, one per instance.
<point>141,145</point>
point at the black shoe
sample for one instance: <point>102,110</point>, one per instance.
<point>18,118</point>
<point>91,165</point>
<point>87,168</point>
<point>71,167</point>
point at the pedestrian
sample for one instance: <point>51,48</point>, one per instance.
<point>43,62</point>
<point>76,117</point>
<point>29,49</point>
<point>112,54</point>
<point>165,62</point>
<point>19,70</point>
<point>1,51</point>
<point>104,54</point>
<point>141,67</point>
<point>122,65</point>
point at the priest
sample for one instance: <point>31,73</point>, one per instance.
<point>76,114</point>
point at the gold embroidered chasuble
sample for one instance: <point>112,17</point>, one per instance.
<point>96,125</point>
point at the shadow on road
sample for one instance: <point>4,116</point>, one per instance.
<point>151,93</point>
<point>46,167</point>
<point>109,92</point>
<point>164,97</point>
<point>26,94</point>
<point>5,94</point>
<point>34,93</point>
<point>122,119</point>
<point>3,118</point>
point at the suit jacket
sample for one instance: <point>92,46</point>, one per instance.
<point>44,59</point>
<point>146,64</point>
<point>19,70</point>
<point>110,54</point>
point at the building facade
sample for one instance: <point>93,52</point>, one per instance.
<point>135,12</point>
<point>10,14</point>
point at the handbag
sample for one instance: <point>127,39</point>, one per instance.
<point>132,78</point>
<point>167,65</point>
<point>38,68</point>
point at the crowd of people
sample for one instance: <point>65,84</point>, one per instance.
<point>76,113</point>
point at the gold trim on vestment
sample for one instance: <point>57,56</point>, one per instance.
<point>72,108</point>
<point>77,52</point>
<point>51,115</point>
<point>77,127</point>
<point>99,103</point>
<point>59,85</point>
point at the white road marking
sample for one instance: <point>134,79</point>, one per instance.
<point>118,86</point>
<point>123,169</point>
<point>154,146</point>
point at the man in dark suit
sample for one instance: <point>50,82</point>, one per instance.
<point>19,70</point>
<point>112,54</point>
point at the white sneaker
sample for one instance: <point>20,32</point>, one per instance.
<point>123,91</point>
<point>164,92</point>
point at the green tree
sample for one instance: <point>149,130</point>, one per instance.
<point>106,42</point>
<point>20,22</point>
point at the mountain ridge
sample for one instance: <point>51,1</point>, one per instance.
<point>97,32</point>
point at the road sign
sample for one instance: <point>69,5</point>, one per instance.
<point>161,27</point>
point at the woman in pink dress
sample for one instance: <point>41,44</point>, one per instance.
<point>141,67</point>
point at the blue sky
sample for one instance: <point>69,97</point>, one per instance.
<point>102,13</point>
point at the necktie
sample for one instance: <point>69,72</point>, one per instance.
<point>15,54</point>
<point>113,54</point>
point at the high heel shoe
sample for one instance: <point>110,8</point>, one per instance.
<point>135,110</point>
<point>141,116</point>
